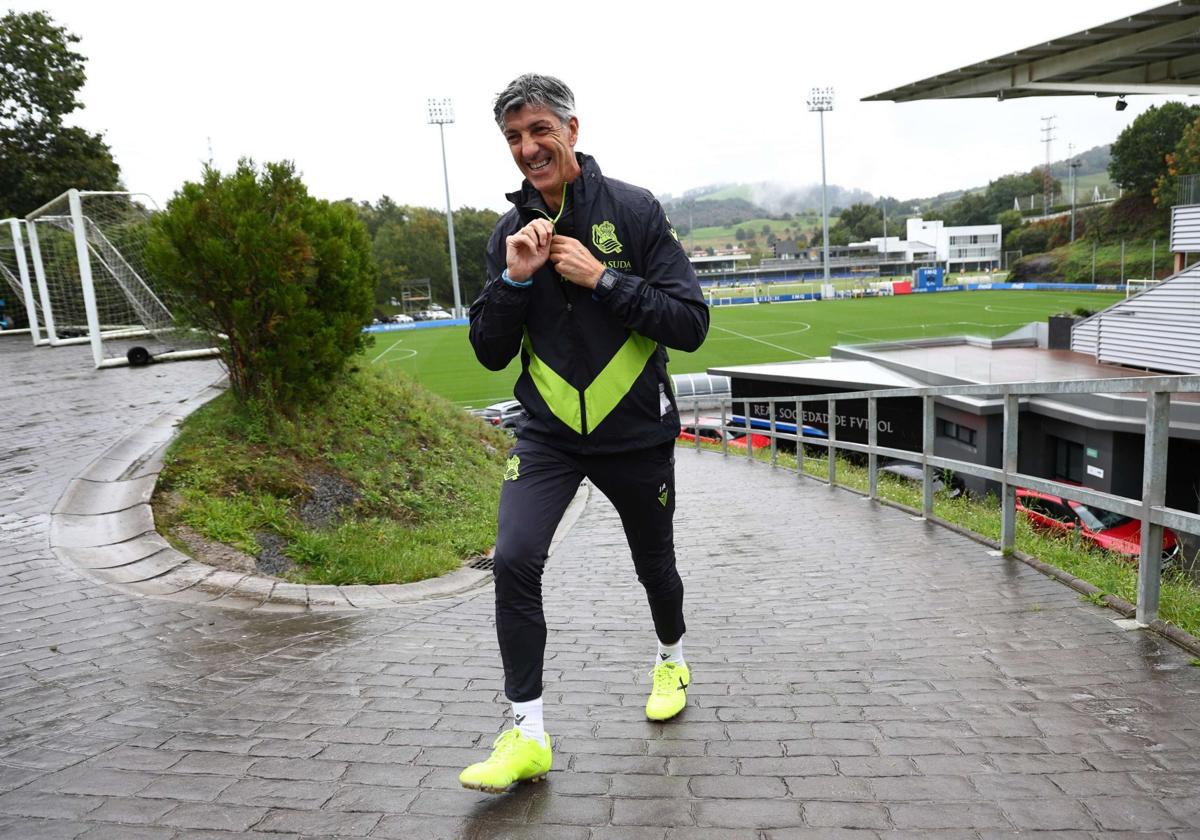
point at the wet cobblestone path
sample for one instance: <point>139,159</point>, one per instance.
<point>856,674</point>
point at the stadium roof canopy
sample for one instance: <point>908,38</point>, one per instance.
<point>1156,51</point>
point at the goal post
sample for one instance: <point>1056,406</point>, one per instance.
<point>87,251</point>
<point>14,268</point>
<point>1134,287</point>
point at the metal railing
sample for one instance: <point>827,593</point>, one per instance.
<point>1188,191</point>
<point>1151,509</point>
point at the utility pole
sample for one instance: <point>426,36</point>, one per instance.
<point>1072,165</point>
<point>1047,137</point>
<point>883,210</point>
<point>821,100</point>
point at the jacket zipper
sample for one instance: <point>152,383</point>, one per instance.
<point>570,307</point>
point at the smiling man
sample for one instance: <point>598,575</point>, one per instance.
<point>590,285</point>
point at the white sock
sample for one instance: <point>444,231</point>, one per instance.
<point>528,718</point>
<point>671,653</point>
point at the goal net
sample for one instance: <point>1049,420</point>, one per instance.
<point>20,313</point>
<point>87,250</point>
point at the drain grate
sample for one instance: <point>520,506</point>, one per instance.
<point>482,563</point>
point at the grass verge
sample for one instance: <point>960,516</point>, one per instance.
<point>383,482</point>
<point>1180,598</point>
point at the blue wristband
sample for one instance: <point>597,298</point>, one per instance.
<point>515,284</point>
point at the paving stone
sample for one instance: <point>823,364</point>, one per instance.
<point>747,813</point>
<point>128,832</point>
<point>223,817</point>
<point>38,829</point>
<point>923,788</point>
<point>384,800</point>
<point>100,782</point>
<point>47,805</point>
<point>319,823</point>
<point>737,787</point>
<point>1131,813</point>
<point>137,758</point>
<point>410,826</point>
<point>1050,813</point>
<point>823,833</point>
<point>276,793</point>
<point>187,787</point>
<point>132,810</point>
<point>1014,786</point>
<point>652,812</point>
<point>972,815</point>
<point>845,815</point>
<point>288,768</point>
<point>832,788</point>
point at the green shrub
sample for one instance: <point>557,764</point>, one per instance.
<point>282,281</point>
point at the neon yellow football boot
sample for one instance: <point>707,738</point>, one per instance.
<point>669,695</point>
<point>515,758</point>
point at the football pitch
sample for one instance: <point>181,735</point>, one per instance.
<point>442,359</point>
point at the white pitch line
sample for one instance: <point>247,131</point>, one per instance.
<point>407,350</point>
<point>389,349</point>
<point>803,329</point>
<point>760,341</point>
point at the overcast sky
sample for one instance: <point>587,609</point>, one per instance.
<point>670,95</point>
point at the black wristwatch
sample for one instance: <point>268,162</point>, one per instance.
<point>606,283</point>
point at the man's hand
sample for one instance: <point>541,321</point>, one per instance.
<point>527,249</point>
<point>575,262</point>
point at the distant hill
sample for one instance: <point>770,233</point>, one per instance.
<point>733,204</point>
<point>1092,172</point>
<point>721,205</point>
<point>687,214</point>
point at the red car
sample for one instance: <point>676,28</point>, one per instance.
<point>710,432</point>
<point>1108,530</point>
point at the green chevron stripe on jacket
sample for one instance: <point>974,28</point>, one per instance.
<point>605,391</point>
<point>560,396</point>
<point>617,378</point>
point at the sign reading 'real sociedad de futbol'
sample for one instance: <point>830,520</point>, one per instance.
<point>898,422</point>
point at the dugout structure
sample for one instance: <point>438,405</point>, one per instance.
<point>86,249</point>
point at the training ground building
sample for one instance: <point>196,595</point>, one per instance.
<point>926,244</point>
<point>1095,440</point>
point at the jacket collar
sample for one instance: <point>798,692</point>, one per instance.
<point>583,189</point>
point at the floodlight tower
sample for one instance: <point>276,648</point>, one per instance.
<point>441,112</point>
<point>821,100</point>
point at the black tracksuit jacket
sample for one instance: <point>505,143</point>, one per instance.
<point>594,371</point>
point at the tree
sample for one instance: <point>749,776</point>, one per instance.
<point>472,229</point>
<point>412,244</point>
<point>1009,221</point>
<point>282,281</point>
<point>971,209</point>
<point>42,157</point>
<point>1001,193</point>
<point>1185,160</point>
<point>1139,155</point>
<point>860,222</point>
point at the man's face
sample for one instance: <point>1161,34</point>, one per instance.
<point>543,146</point>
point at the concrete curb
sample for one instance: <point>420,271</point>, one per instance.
<point>104,527</point>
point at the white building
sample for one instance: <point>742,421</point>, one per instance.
<point>956,248</point>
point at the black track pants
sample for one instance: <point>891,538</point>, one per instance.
<point>538,486</point>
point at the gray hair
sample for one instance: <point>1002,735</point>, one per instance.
<point>535,90</point>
